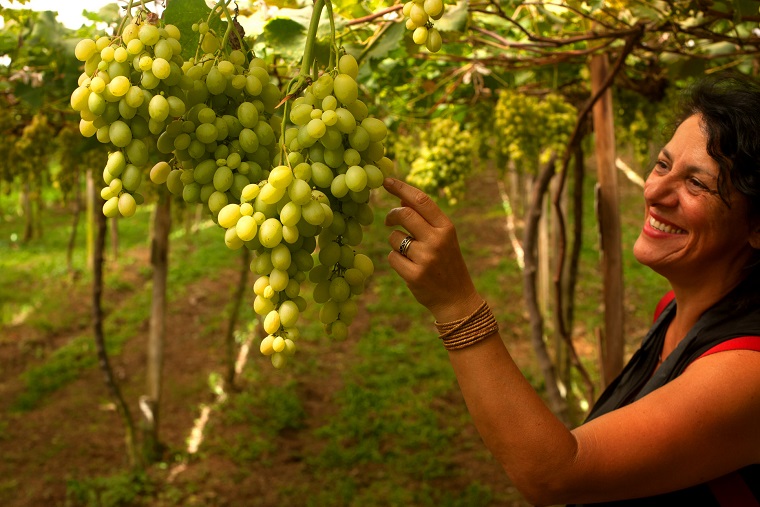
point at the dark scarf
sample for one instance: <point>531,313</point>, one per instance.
<point>737,314</point>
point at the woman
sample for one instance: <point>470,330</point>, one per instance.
<point>680,424</point>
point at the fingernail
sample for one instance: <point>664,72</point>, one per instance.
<point>389,182</point>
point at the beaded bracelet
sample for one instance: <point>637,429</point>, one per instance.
<point>469,330</point>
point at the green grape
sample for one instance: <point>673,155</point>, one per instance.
<point>216,201</point>
<point>280,177</point>
<point>434,41</point>
<point>111,207</point>
<point>290,214</point>
<point>345,89</point>
<point>149,34</point>
<point>215,81</point>
<point>356,178</point>
<point>116,163</point>
<point>132,177</point>
<point>191,193</point>
<point>247,114</point>
<point>246,228</point>
<point>84,49</point>
<point>223,179</point>
<point>119,86</point>
<point>232,240</point>
<point>229,215</point>
<point>96,104</point>
<point>313,213</point>
<point>339,289</point>
<point>160,68</point>
<point>119,134</point>
<point>329,312</point>
<point>137,152</point>
<point>316,128</point>
<point>346,122</point>
<point>127,205</point>
<point>270,233</point>
<point>281,257</point>
<point>420,35</point>
<point>289,314</point>
<point>347,65</point>
<point>158,108</point>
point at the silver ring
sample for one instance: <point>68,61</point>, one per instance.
<point>404,246</point>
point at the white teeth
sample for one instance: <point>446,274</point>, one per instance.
<point>664,227</point>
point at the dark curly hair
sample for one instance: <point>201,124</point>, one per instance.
<point>729,105</point>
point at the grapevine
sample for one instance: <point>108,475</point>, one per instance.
<point>211,131</point>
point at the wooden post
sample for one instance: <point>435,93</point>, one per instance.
<point>159,258</point>
<point>608,210</point>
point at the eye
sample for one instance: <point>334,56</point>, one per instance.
<point>694,182</point>
<point>661,166</point>
<point>698,186</point>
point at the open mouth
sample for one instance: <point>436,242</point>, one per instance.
<point>665,227</point>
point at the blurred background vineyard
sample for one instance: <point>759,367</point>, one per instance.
<point>497,125</point>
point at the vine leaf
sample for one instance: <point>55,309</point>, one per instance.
<point>287,35</point>
<point>183,14</point>
<point>454,18</point>
<point>387,42</point>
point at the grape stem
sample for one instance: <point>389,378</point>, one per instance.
<point>300,80</point>
<point>333,45</point>
<point>311,38</point>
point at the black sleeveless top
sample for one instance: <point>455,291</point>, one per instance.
<point>738,314</point>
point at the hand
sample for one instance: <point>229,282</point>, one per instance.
<point>433,269</point>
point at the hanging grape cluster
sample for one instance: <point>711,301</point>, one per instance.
<point>441,159</point>
<point>420,15</point>
<point>335,158</point>
<point>280,192</point>
<point>517,119</point>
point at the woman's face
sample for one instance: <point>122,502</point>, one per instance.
<point>689,232</point>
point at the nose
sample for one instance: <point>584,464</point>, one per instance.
<point>660,189</point>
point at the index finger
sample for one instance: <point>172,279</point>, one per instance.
<point>418,200</point>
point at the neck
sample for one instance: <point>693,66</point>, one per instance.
<point>693,300</point>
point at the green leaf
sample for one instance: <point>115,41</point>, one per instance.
<point>183,13</point>
<point>720,49</point>
<point>745,8</point>
<point>647,10</point>
<point>454,18</point>
<point>287,36</point>
<point>390,40</point>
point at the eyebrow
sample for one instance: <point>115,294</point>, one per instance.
<point>692,168</point>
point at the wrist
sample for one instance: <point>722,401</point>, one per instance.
<point>469,330</point>
<point>461,308</point>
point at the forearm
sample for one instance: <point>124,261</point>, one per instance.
<point>536,450</point>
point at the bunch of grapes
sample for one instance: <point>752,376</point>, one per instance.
<point>444,159</point>
<point>517,118</point>
<point>420,15</point>
<point>131,89</point>
<point>228,136</point>
<point>210,122</point>
<point>317,195</point>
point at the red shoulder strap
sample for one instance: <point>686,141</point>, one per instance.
<point>666,299</point>
<point>732,491</point>
<point>740,343</point>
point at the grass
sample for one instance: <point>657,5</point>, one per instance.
<point>391,430</point>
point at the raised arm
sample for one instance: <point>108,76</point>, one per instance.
<point>696,428</point>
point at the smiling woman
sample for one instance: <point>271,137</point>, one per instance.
<point>679,425</point>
